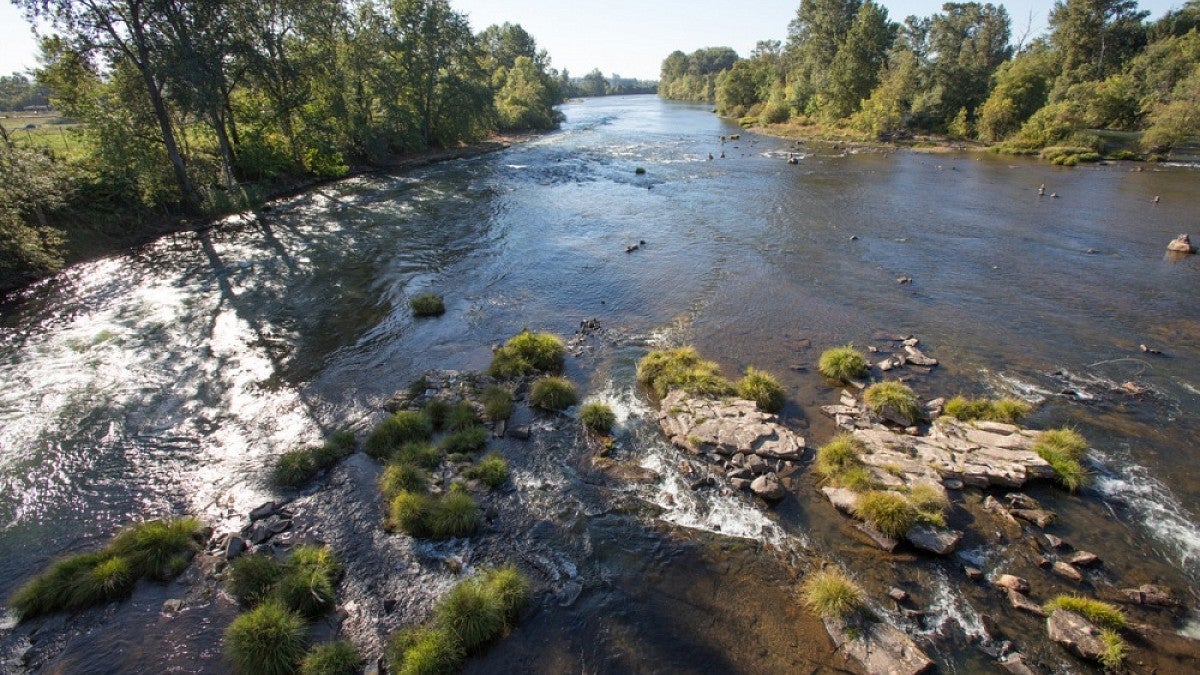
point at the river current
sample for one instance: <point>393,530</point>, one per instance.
<point>164,380</point>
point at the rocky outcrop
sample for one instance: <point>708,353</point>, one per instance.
<point>1181,244</point>
<point>881,648</point>
<point>1075,633</point>
<point>1150,594</point>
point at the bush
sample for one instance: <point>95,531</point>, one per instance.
<point>158,549</point>
<point>527,353</point>
<point>297,467</point>
<point>666,370</point>
<point>425,651</point>
<point>306,591</point>
<point>472,612</point>
<point>466,441</point>
<point>419,454</point>
<point>397,478</point>
<point>409,512</point>
<point>492,470</point>
<point>641,171</point>
<point>1100,613</point>
<point>510,588</point>
<point>1006,410</point>
<point>839,455</point>
<point>428,304</point>
<point>832,594</point>
<point>1063,449</point>
<point>403,427</point>
<point>437,410</point>
<point>895,396</point>
<point>497,404</point>
<point>461,417</point>
<point>454,515</point>
<point>1114,650</point>
<point>553,393</point>
<point>887,512</point>
<point>842,364</point>
<point>107,580</point>
<point>267,640</point>
<point>335,658</point>
<point>930,503</point>
<point>598,417</point>
<point>762,388</point>
<point>251,578</point>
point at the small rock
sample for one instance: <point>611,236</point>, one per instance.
<point>1018,500</point>
<point>1149,350</point>
<point>1066,571</point>
<point>1083,559</point>
<point>1039,517</point>
<point>1019,601</point>
<point>880,539</point>
<point>1055,542</point>
<point>234,547</point>
<point>952,484</point>
<point>897,594</point>
<point>264,511</point>
<point>570,593</point>
<point>904,280</point>
<point>768,487</point>
<point>259,533</point>
<point>879,647</point>
<point>933,539</point>
<point>172,606</point>
<point>1181,244</point>
<point>1012,583</point>
<point>1151,594</point>
<point>740,483</point>
<point>1015,664</point>
<point>973,573</point>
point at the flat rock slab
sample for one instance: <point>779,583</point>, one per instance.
<point>881,648</point>
<point>726,427</point>
<point>1075,633</point>
<point>934,539</point>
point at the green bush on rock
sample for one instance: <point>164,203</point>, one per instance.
<point>597,417</point>
<point>297,467</point>
<point>497,403</point>
<point>425,651</point>
<point>428,304</point>
<point>492,470</point>
<point>252,577</point>
<point>1006,410</point>
<point>831,593</point>
<point>842,364</point>
<point>335,658</point>
<point>887,512</point>
<point>392,433</point>
<point>762,388</point>
<point>465,441</point>
<point>267,640</point>
<point>553,393</point>
<point>1063,449</point>
<point>893,400</point>
<point>665,370</point>
<point>527,353</point>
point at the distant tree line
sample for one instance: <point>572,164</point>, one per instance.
<point>184,104</point>
<point>1102,67</point>
<point>18,91</point>
<point>595,84</point>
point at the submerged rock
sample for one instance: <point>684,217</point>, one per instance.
<point>1151,594</point>
<point>1066,571</point>
<point>1012,583</point>
<point>881,648</point>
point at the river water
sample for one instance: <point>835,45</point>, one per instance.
<point>164,380</point>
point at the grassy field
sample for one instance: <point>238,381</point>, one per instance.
<point>44,130</point>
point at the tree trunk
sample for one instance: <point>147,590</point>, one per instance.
<point>191,200</point>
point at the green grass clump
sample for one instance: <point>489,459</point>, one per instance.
<point>252,577</point>
<point>857,479</point>
<point>497,403</point>
<point>437,410</point>
<point>894,395</point>
<point>527,353</point>
<point>465,441</point>
<point>762,388</point>
<point>454,514</point>
<point>598,417</point>
<point>399,477</point>
<point>421,454</point>
<point>461,417</point>
<point>1100,613</point>
<point>665,370</point>
<point>110,579</point>
<point>158,549</point>
<point>553,393</point>
<point>831,593</point>
<point>842,363</point>
<point>930,503</point>
<point>1063,449</point>
<point>403,427</point>
<point>1006,410</point>
<point>335,658</point>
<point>428,304</point>
<point>297,467</point>
<point>1069,155</point>
<point>267,640</point>
<point>306,591</point>
<point>428,650</point>
<point>472,612</point>
<point>887,512</point>
<point>510,587</point>
<point>492,470</point>
<point>409,512</point>
<point>1115,652</point>
<point>838,456</point>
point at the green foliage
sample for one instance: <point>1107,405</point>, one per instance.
<point>1006,410</point>
<point>419,454</point>
<point>497,403</point>
<point>693,77</point>
<point>1115,650</point>
<point>308,592</point>
<point>267,640</point>
<point>157,549</point>
<point>838,456</point>
<point>510,588</point>
<point>1069,155</point>
<point>409,512</point>
<point>492,470</point>
<point>334,658</point>
<point>666,370</point>
<point>403,427</point>
<point>842,363</point>
<point>297,467</point>
<point>428,304</point>
<point>472,612</point>
<point>1100,613</point>
<point>430,650</point>
<point>437,410</point>
<point>400,477</point>
<point>528,353</point>
<point>461,417</point>
<point>894,395</point>
<point>465,441</point>
<point>831,593</point>
<point>762,388</point>
<point>553,393</point>
<point>1063,449</point>
<point>887,512</point>
<point>304,584</point>
<point>1021,88</point>
<point>454,514</point>
<point>252,577</point>
<point>598,417</point>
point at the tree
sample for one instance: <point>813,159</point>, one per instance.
<point>1022,85</point>
<point>887,110</point>
<point>1094,38</point>
<point>854,71</point>
<point>966,43</point>
<point>593,84</point>
<point>526,101</point>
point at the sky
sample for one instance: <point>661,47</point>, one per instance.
<point>626,37</point>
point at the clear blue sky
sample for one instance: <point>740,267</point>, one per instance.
<point>628,37</point>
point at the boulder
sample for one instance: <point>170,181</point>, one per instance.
<point>1181,244</point>
<point>933,539</point>
<point>726,427</point>
<point>881,648</point>
<point>1015,663</point>
<point>842,499</point>
<point>1066,571</point>
<point>897,594</point>
<point>1075,633</point>
<point>768,487</point>
<point>1039,517</point>
<point>1012,583</point>
<point>1150,594</point>
<point>916,357</point>
<point>263,511</point>
<point>1083,559</point>
<point>234,547</point>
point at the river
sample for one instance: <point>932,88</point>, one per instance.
<point>163,380</point>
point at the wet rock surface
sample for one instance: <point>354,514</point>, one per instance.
<point>881,649</point>
<point>1075,633</point>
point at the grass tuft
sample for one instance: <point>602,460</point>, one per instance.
<point>403,427</point>
<point>1115,651</point>
<point>831,593</point>
<point>296,468</point>
<point>1063,449</point>
<point>428,650</point>
<point>399,477</point>
<point>527,353</point>
<point>492,470</point>
<point>838,456</point>
<point>510,587</point>
<point>158,549</point>
<point>252,577</point>
<point>666,370</point>
<point>1100,613</point>
<point>335,658</point>
<point>598,417</point>
<point>893,395</point>
<point>428,304</point>
<point>762,388</point>
<point>454,515</point>
<point>465,441</point>
<point>472,612</point>
<point>553,393</point>
<point>461,417</point>
<point>437,410</point>
<point>421,454</point>
<point>1006,410</point>
<point>887,512</point>
<point>267,640</point>
<point>409,512</point>
<point>497,403</point>
<point>842,364</point>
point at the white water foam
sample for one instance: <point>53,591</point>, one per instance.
<point>947,608</point>
<point>1026,391</point>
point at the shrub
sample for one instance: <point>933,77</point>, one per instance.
<point>1114,650</point>
<point>857,479</point>
<point>428,304</point>
<point>831,593</point>
<point>409,512</point>
<point>109,579</point>
<point>492,470</point>
<point>527,353</point>
<point>553,393</point>
<point>928,499</point>
<point>159,549</point>
<point>419,454</point>
<point>50,591</point>
<point>887,512</point>
<point>1063,449</point>
<point>454,515</point>
<point>892,395</point>
<point>335,658</point>
<point>399,478</point>
<point>461,417</point>
<point>425,651</point>
<point>305,590</point>
<point>437,410</point>
<point>251,578</point>
<point>403,427</point>
<point>762,388</point>
<point>267,640</point>
<point>641,171</point>
<point>838,456</point>
<point>472,612</point>
<point>1006,410</point>
<point>1100,613</point>
<point>497,403</point>
<point>510,587</point>
<point>842,363</point>
<point>297,467</point>
<point>319,558</point>
<point>598,417</point>
<point>468,440</point>
<point>666,370</point>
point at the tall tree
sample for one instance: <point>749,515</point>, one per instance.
<point>1094,38</point>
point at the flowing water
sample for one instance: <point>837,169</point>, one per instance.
<point>163,381</point>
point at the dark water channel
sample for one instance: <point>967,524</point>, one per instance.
<point>163,381</point>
